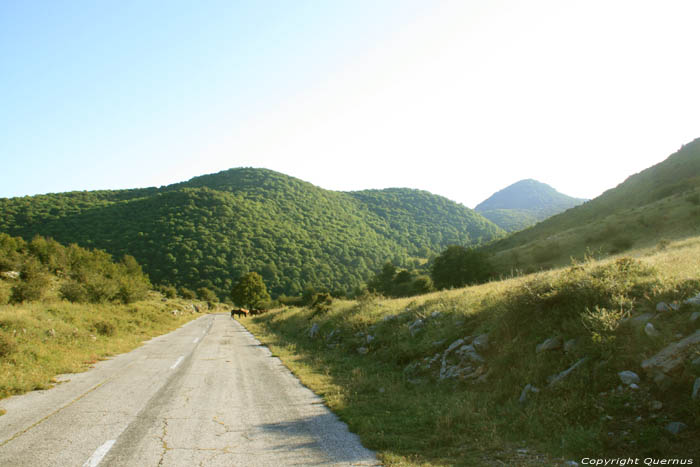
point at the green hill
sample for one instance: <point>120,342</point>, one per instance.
<point>525,203</point>
<point>655,205</point>
<point>212,229</point>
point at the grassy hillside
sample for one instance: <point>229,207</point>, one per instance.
<point>656,205</point>
<point>525,203</point>
<point>439,379</point>
<point>64,308</point>
<point>211,230</point>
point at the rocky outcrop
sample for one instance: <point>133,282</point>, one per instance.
<point>554,379</point>
<point>671,357</point>
<point>628,377</point>
<point>553,343</point>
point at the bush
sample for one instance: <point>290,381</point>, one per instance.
<point>132,289</point>
<point>73,292</point>
<point>321,303</point>
<point>104,328</point>
<point>168,291</point>
<point>33,282</point>
<point>458,266</point>
<point>187,293</point>
<point>207,295</point>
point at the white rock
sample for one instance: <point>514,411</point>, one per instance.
<point>650,330</point>
<point>628,377</point>
<point>526,390</point>
<point>314,330</point>
<point>696,389</point>
<point>693,301</point>
<point>676,427</point>
<point>553,343</point>
<point>662,306</point>
<point>694,316</point>
<point>481,342</point>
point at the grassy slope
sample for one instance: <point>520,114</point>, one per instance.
<point>402,411</point>
<point>659,203</point>
<point>40,340</point>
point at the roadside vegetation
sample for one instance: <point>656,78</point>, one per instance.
<point>62,309</point>
<point>442,378</point>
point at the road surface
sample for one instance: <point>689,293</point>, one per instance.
<point>207,394</point>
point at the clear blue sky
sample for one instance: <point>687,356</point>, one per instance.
<point>460,98</point>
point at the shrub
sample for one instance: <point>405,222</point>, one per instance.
<point>187,293</point>
<point>132,289</point>
<point>104,328</point>
<point>321,303</point>
<point>206,295</point>
<point>33,282</point>
<point>168,291</point>
<point>73,292</point>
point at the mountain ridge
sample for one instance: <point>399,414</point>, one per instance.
<point>659,203</point>
<point>524,203</point>
<point>211,229</point>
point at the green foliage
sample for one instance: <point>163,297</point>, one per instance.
<point>81,275</point>
<point>250,291</point>
<point>33,282</point>
<point>210,231</point>
<point>206,295</point>
<point>187,293</point>
<point>393,283</point>
<point>168,291</point>
<point>321,303</point>
<point>104,328</point>
<point>458,266</point>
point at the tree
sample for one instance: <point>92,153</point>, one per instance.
<point>458,266</point>
<point>250,291</point>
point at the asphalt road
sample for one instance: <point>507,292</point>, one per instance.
<point>207,394</point>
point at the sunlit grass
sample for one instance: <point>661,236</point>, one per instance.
<point>43,339</point>
<point>412,418</point>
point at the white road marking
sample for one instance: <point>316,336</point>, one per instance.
<point>195,340</point>
<point>179,360</point>
<point>99,454</point>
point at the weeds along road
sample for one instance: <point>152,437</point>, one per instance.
<point>206,394</point>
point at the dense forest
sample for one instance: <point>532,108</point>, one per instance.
<point>213,229</point>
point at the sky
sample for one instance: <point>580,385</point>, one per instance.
<point>459,98</point>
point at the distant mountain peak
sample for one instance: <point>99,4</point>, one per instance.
<point>525,203</point>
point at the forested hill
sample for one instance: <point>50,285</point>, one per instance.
<point>525,203</point>
<point>210,230</point>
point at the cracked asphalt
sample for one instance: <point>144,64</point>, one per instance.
<point>207,394</point>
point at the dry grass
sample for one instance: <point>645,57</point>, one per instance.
<point>43,339</point>
<point>413,418</point>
